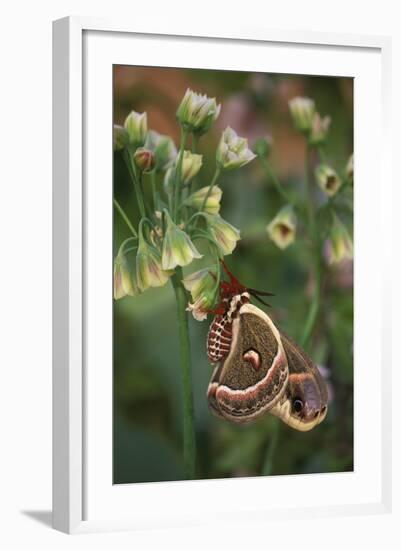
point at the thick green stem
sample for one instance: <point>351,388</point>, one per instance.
<point>177,179</point>
<point>189,445</point>
<point>125,217</point>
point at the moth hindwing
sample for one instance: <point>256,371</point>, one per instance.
<point>252,377</point>
<point>303,405</point>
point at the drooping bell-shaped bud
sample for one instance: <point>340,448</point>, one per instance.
<point>124,284</point>
<point>349,170</point>
<point>327,179</point>
<point>282,228</point>
<point>341,246</point>
<point>319,129</point>
<point>223,233</point>
<point>120,138</point>
<point>302,111</point>
<point>149,270</point>
<point>191,164</point>
<point>212,204</point>
<point>203,286</point>
<point>178,249</point>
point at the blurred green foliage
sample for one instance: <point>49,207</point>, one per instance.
<point>147,384</point>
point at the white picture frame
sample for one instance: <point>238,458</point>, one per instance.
<point>77,43</point>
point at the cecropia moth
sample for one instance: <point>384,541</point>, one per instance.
<point>257,368</point>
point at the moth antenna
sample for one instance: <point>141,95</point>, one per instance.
<point>260,300</point>
<point>253,291</point>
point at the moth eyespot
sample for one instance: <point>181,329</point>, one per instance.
<point>297,406</point>
<point>253,357</point>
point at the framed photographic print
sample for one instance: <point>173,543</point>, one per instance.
<point>216,200</point>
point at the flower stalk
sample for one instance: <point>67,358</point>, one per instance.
<point>273,178</point>
<point>212,184</point>
<point>315,251</point>
<point>125,217</point>
<point>134,178</point>
<point>189,446</point>
<point>177,180</point>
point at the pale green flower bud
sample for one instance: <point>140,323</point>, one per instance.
<point>224,234</point>
<point>282,228</point>
<point>191,164</point>
<point>341,246</point>
<point>263,146</point>
<point>197,113</point>
<point>124,285</point>
<point>203,286</point>
<point>178,249</point>
<point>144,159</point>
<point>302,112</point>
<point>136,125</point>
<point>120,137</point>
<point>233,151</point>
<point>319,130</point>
<point>327,179</point>
<point>163,148</point>
<point>212,205</point>
<point>149,271</point>
<point>349,170</point>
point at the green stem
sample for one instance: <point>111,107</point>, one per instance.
<point>146,206</point>
<point>271,450</point>
<point>321,153</point>
<point>209,191</point>
<point>313,308</point>
<point>125,217</point>
<point>177,179</point>
<point>279,188</point>
<point>309,197</point>
<point>195,141</point>
<point>189,445</point>
<point>192,183</point>
<point>153,185</point>
<point>316,262</point>
<point>134,178</point>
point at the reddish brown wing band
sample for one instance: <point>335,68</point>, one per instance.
<point>252,378</point>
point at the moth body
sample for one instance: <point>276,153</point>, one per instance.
<point>220,332</point>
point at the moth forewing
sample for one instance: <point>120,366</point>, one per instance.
<point>254,375</point>
<point>304,403</point>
